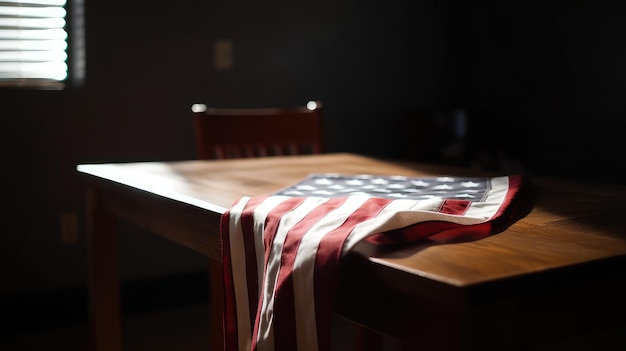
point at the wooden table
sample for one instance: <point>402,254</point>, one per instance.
<point>555,277</point>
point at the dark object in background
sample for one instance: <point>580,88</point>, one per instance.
<point>462,137</point>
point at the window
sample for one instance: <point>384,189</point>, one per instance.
<point>33,43</point>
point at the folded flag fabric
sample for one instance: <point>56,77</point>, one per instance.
<point>281,251</point>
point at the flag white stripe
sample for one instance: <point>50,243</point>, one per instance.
<point>387,220</point>
<point>244,323</point>
<point>303,271</point>
<point>265,335</point>
<point>260,216</point>
<point>400,213</point>
<point>495,198</point>
<point>240,285</point>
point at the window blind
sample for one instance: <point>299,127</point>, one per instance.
<point>33,42</point>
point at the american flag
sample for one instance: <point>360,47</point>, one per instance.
<point>281,251</point>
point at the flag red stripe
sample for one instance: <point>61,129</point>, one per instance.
<point>247,227</point>
<point>454,207</point>
<point>230,309</point>
<point>284,313</point>
<point>271,228</point>
<point>326,262</point>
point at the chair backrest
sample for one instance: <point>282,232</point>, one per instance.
<point>222,133</point>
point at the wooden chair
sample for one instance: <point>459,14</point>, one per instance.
<point>222,133</point>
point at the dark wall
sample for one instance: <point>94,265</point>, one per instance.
<point>550,78</point>
<point>541,85</point>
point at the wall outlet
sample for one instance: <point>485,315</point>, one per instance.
<point>69,227</point>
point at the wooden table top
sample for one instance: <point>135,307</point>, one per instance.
<point>570,224</point>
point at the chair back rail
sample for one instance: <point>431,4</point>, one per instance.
<point>222,133</point>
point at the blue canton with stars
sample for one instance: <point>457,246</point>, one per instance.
<point>390,187</point>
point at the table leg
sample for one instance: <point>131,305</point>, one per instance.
<point>216,331</point>
<point>367,340</point>
<point>103,280</point>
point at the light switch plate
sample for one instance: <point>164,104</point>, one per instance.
<point>224,54</point>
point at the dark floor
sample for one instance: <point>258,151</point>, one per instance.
<point>185,328</point>
<point>165,313</point>
<point>172,314</point>
<point>170,329</point>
